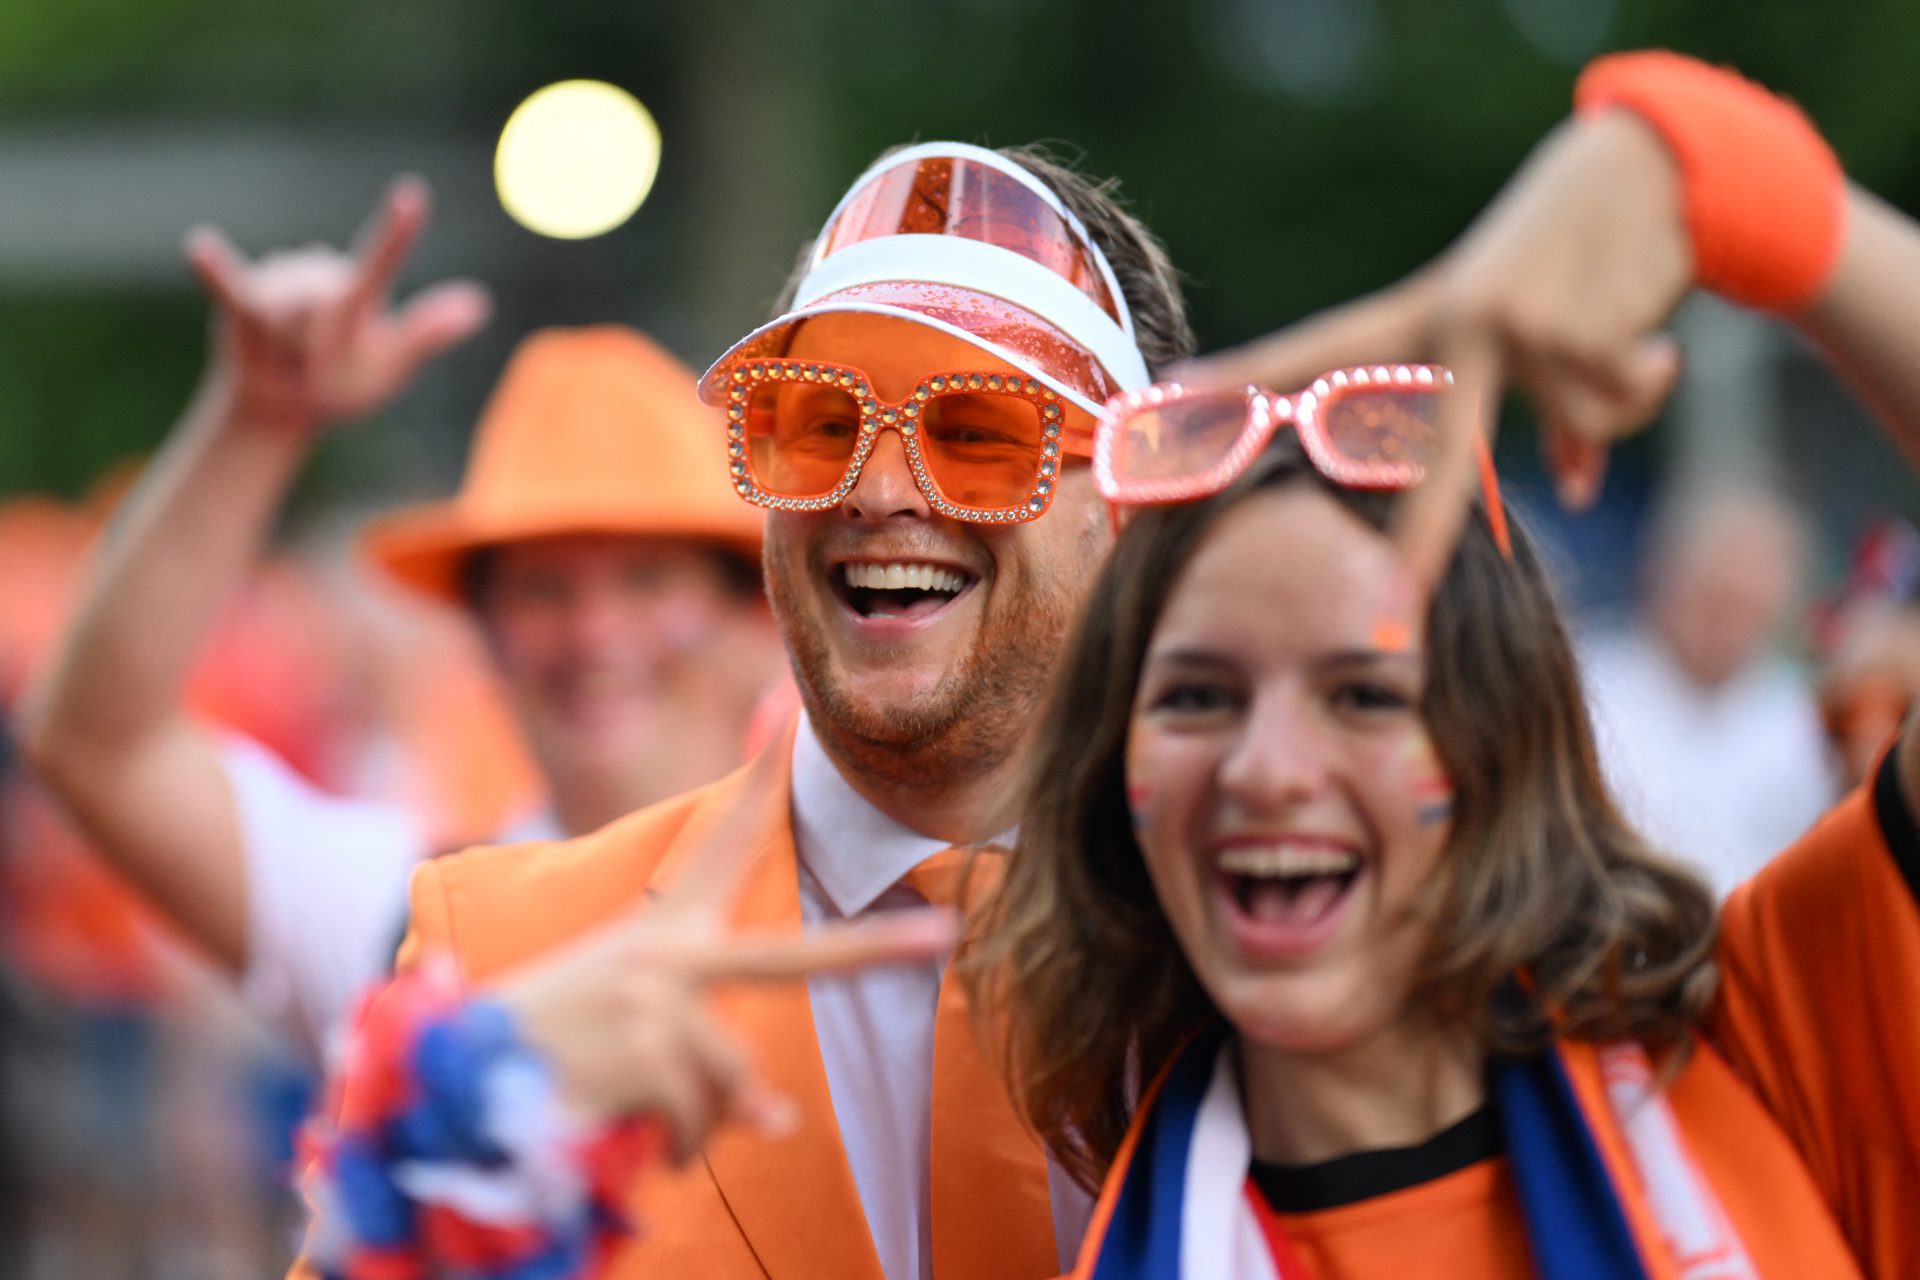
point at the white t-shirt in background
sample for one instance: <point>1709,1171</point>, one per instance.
<point>326,892</point>
<point>1725,778</point>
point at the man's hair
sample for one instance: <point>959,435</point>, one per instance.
<point>1138,259</point>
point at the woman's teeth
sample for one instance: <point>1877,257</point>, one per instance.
<point>1287,862</point>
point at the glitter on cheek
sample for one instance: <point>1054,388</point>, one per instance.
<point>1138,794</point>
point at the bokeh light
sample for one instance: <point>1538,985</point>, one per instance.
<point>576,159</point>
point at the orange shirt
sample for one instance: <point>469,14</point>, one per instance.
<point>1819,1013</point>
<point>1467,1223</point>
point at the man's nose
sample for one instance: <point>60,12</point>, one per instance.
<point>886,487</point>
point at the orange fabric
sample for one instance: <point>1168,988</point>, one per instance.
<point>1765,199</point>
<point>592,430</point>
<point>1465,1224</point>
<point>753,1208</point>
<point>1820,1012</point>
<point>978,1139</point>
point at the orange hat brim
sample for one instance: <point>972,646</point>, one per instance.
<point>426,547</point>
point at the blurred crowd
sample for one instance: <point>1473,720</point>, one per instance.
<point>126,1055</point>
<point>1736,704</point>
<point>580,633</point>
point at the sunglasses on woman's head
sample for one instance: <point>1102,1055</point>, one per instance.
<point>1371,428</point>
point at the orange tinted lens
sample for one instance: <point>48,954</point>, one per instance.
<point>982,448</point>
<point>1368,426</point>
<point>1176,441</point>
<point>800,436</point>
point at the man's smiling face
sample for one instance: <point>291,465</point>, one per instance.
<point>920,641</point>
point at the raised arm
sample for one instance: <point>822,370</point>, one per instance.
<point>1561,288</point>
<point>301,341</point>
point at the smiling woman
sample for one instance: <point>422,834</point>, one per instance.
<point>1324,948</point>
<point>1352,844</point>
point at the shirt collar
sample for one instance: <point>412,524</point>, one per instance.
<point>854,851</point>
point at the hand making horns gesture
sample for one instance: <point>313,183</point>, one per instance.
<point>310,337</point>
<point>622,1016</point>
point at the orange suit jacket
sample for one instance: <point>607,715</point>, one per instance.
<point>752,1208</point>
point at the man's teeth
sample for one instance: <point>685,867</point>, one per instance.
<point>903,575</point>
<point>1285,862</point>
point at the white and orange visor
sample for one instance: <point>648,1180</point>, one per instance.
<point>963,240</point>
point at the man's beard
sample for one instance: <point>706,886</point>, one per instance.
<point>974,719</point>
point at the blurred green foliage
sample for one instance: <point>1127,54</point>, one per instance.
<point>1292,153</point>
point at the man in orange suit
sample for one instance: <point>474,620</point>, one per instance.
<point>917,423</point>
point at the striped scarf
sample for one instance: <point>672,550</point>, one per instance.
<point>1182,1212</point>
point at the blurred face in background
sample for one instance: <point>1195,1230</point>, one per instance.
<point>1869,684</point>
<point>1722,582</point>
<point>947,660</point>
<point>633,661</point>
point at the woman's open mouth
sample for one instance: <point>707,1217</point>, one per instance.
<point>1285,899</point>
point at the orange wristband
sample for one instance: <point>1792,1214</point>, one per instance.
<point>1764,196</point>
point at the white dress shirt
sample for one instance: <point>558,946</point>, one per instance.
<point>876,1027</point>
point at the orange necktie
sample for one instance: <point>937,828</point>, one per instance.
<point>992,1213</point>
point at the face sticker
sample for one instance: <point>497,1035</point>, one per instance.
<point>1432,788</point>
<point>1393,629</point>
<point>1138,794</point>
<point>1391,635</point>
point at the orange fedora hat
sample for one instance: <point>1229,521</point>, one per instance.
<point>594,430</point>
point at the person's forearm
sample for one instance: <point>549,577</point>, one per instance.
<point>185,538</point>
<point>1867,319</point>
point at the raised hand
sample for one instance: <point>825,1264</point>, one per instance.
<point>307,338</point>
<point>622,1016</point>
<point>1558,288</point>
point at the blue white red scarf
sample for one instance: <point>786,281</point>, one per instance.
<point>1182,1213</point>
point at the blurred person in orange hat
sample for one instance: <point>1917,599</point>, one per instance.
<point>594,542</point>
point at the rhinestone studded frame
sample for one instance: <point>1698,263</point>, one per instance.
<point>1265,411</point>
<point>900,416</point>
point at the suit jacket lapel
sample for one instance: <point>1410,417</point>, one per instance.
<point>794,1197</point>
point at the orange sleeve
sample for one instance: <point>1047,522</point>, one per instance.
<point>1819,1011</point>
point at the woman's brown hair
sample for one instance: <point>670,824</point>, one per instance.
<point>1541,875</point>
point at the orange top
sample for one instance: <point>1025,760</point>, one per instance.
<point>1465,1224</point>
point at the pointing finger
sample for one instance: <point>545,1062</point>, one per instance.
<point>1430,520</point>
<point>895,938</point>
